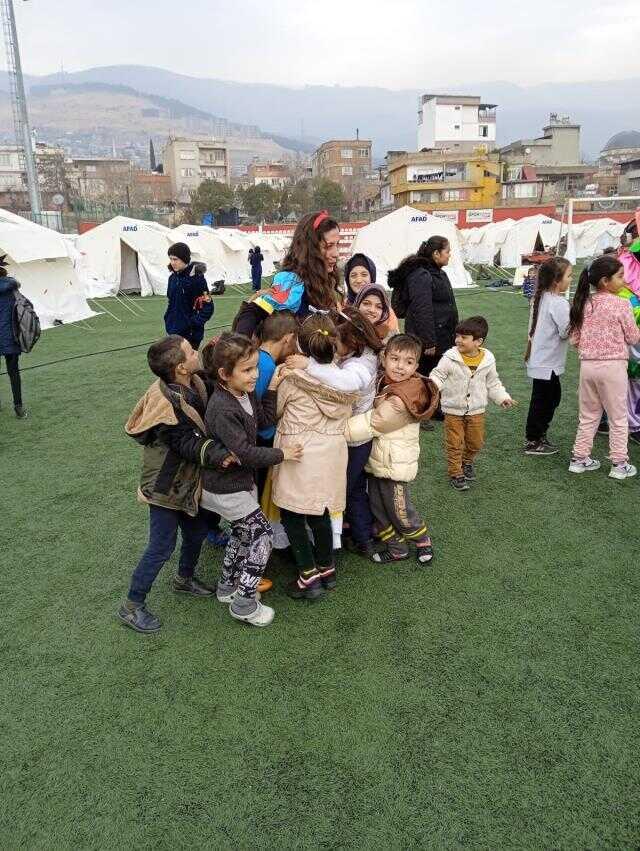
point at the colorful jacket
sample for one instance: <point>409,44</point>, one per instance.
<point>634,301</point>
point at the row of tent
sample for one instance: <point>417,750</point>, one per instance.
<point>504,243</point>
<point>58,273</point>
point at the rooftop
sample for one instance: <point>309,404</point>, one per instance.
<point>625,139</point>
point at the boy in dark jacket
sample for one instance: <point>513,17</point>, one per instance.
<point>189,303</point>
<point>169,423</point>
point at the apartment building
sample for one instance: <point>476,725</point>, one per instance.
<point>438,180</point>
<point>456,123</point>
<point>274,174</point>
<point>187,162</point>
<point>96,178</point>
<point>347,162</point>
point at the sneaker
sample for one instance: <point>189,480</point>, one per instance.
<point>539,447</point>
<point>138,619</point>
<point>583,465</point>
<point>329,579</point>
<point>634,436</point>
<point>424,554</point>
<point>299,590</point>
<point>545,440</point>
<point>368,549</point>
<point>468,472</point>
<point>459,483</point>
<point>260,616</point>
<point>21,412</point>
<point>622,471</point>
<point>191,585</point>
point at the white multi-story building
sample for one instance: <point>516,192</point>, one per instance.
<point>190,161</point>
<point>456,123</point>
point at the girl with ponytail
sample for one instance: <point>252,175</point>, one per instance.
<point>546,353</point>
<point>602,327</point>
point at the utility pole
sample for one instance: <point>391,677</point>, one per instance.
<point>19,103</point>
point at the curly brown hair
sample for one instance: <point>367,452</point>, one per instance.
<point>304,257</point>
<point>355,331</point>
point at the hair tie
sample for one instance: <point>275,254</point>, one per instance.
<point>321,217</point>
<point>321,331</point>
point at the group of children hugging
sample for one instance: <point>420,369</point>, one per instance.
<point>303,422</point>
<point>307,412</point>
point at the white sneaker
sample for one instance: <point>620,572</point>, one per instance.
<point>583,465</point>
<point>260,616</point>
<point>622,471</point>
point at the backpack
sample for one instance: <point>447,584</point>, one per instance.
<point>218,288</point>
<point>399,294</point>
<point>26,325</point>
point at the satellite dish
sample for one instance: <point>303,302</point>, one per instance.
<point>606,205</point>
<point>58,199</point>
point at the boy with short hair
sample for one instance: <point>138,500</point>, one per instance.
<point>467,378</point>
<point>169,423</point>
<point>404,400</point>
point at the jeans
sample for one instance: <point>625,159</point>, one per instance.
<point>545,398</point>
<point>358,513</point>
<point>13,371</point>
<point>163,533</point>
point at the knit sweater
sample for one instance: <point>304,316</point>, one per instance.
<point>608,329</point>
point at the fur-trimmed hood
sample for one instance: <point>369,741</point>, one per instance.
<point>157,407</point>
<point>329,401</point>
<point>419,394</point>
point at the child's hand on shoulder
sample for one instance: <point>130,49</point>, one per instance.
<point>297,362</point>
<point>231,458</point>
<point>397,404</point>
<point>277,377</point>
<point>508,403</point>
<point>293,453</point>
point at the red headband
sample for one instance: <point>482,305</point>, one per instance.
<point>320,218</point>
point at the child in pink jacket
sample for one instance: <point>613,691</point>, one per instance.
<point>602,328</point>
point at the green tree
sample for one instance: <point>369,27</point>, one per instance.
<point>210,197</point>
<point>285,206</point>
<point>300,199</point>
<point>261,201</point>
<point>328,195</point>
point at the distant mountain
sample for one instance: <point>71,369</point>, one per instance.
<point>315,113</point>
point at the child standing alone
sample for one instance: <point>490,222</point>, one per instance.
<point>546,354</point>
<point>602,328</point>
<point>467,378</point>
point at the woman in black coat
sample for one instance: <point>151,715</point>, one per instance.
<point>425,296</point>
<point>9,347</point>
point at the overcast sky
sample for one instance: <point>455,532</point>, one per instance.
<point>395,43</point>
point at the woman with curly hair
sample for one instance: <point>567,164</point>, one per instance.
<point>308,280</point>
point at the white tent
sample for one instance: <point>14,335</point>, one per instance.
<point>480,245</point>
<point>525,234</point>
<point>225,253</point>
<point>389,239</point>
<point>590,238</point>
<point>125,255</point>
<point>39,259</point>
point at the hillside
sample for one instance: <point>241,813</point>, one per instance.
<point>91,118</point>
<point>388,117</point>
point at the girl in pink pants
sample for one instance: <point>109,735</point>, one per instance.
<point>602,327</point>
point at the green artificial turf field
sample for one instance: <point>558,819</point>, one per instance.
<point>491,701</point>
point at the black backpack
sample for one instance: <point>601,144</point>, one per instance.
<point>399,295</point>
<point>26,325</point>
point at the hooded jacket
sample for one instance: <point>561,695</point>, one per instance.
<point>8,343</point>
<point>314,415</point>
<point>167,422</point>
<point>431,314</point>
<point>183,289</point>
<point>387,325</point>
<point>396,435</point>
<point>463,392</point>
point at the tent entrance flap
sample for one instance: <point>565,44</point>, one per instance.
<point>129,274</point>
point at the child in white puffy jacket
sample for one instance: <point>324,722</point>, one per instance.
<point>467,378</point>
<point>393,426</point>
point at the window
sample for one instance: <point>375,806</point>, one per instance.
<point>363,152</point>
<point>187,155</point>
<point>484,131</point>
<point>456,126</point>
<point>346,153</point>
<point>454,195</point>
<point>457,108</point>
<point>187,172</point>
<point>526,190</point>
<point>5,159</point>
<point>90,169</point>
<point>347,170</point>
